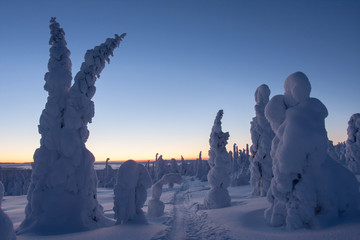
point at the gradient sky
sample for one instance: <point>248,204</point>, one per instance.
<point>180,63</point>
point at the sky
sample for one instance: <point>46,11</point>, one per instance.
<point>180,62</point>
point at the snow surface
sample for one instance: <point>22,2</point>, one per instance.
<point>186,218</point>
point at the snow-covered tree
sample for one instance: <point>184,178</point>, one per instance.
<point>62,195</point>
<point>2,192</point>
<point>174,166</point>
<point>261,136</point>
<point>130,192</point>
<point>240,173</point>
<point>353,143</point>
<point>220,163</point>
<point>159,168</point>
<point>307,189</point>
<point>155,205</point>
<point>183,166</point>
<point>340,150</point>
<point>202,168</point>
<point>331,151</point>
<point>6,227</point>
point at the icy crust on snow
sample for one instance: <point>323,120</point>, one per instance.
<point>220,163</point>
<point>261,136</point>
<point>353,143</point>
<point>6,227</point>
<point>155,205</point>
<point>130,192</point>
<point>307,189</point>
<point>62,194</point>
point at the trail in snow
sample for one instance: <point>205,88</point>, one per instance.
<point>188,220</point>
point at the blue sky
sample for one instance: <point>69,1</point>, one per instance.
<point>180,63</point>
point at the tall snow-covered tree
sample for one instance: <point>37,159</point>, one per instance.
<point>62,195</point>
<point>261,136</point>
<point>220,163</point>
<point>353,143</point>
<point>307,189</point>
<point>133,180</point>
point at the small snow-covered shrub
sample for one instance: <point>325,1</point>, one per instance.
<point>307,189</point>
<point>220,163</point>
<point>155,205</point>
<point>130,192</point>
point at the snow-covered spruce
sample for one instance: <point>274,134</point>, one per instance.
<point>183,167</point>
<point>220,163</point>
<point>174,166</point>
<point>130,192</point>
<point>340,150</point>
<point>6,227</point>
<point>160,169</point>
<point>62,195</point>
<point>261,136</point>
<point>202,168</point>
<point>307,189</point>
<point>240,173</point>
<point>353,143</point>
<point>155,205</point>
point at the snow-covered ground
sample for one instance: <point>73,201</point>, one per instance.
<point>186,218</point>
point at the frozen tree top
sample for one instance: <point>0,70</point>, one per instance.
<point>262,94</point>
<point>217,123</point>
<point>297,89</point>
<point>57,33</point>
